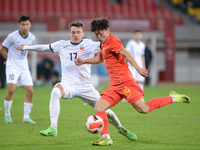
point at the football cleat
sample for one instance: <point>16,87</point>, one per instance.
<point>28,120</point>
<point>8,119</point>
<point>130,135</point>
<point>49,132</point>
<point>103,142</point>
<point>180,98</point>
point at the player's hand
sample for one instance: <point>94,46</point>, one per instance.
<point>143,72</point>
<point>20,47</point>
<point>78,61</point>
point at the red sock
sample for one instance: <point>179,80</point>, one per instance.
<point>103,115</point>
<point>159,102</point>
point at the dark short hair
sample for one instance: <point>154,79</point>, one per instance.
<point>99,24</point>
<point>76,24</point>
<point>135,31</point>
<point>24,18</point>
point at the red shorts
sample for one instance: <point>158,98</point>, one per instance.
<point>130,90</point>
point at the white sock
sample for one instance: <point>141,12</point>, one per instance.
<point>54,107</point>
<point>173,99</point>
<point>27,109</point>
<point>106,135</point>
<point>142,86</point>
<point>7,106</point>
<point>112,118</point>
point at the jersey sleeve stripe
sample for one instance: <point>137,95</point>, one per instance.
<point>4,47</point>
<point>50,48</point>
<point>119,50</point>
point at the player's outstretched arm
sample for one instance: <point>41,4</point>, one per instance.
<point>142,71</point>
<point>38,48</point>
<point>94,60</point>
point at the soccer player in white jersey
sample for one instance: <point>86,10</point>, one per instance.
<point>17,70</point>
<point>137,48</point>
<point>76,80</point>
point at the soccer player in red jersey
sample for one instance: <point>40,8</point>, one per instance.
<point>122,84</point>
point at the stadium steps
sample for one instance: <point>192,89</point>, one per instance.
<point>188,20</point>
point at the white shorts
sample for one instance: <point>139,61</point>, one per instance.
<point>137,76</point>
<point>85,92</point>
<point>21,78</point>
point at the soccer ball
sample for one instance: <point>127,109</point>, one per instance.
<point>94,124</point>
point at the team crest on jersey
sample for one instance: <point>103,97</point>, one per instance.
<point>81,47</point>
<point>104,51</point>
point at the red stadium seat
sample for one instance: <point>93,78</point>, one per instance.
<point>179,20</point>
<point>43,10</point>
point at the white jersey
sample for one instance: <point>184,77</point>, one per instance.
<point>16,59</point>
<point>68,52</point>
<point>137,51</point>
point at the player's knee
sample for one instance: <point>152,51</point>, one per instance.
<point>29,93</point>
<point>11,91</point>
<point>56,93</point>
<point>63,94</point>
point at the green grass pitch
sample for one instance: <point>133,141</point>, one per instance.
<point>174,127</point>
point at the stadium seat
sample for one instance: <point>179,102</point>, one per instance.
<point>179,20</point>
<point>177,2</point>
<point>192,11</point>
<point>45,10</point>
<point>198,17</point>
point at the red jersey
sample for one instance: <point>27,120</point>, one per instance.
<point>115,63</point>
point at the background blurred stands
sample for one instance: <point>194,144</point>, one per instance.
<point>46,71</point>
<point>161,4</point>
<point>2,69</point>
<point>57,15</point>
<point>148,59</point>
<point>192,7</point>
<point>187,3</point>
<point>116,1</point>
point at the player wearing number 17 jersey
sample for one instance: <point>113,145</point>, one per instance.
<point>17,70</point>
<point>76,81</point>
<point>68,52</point>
